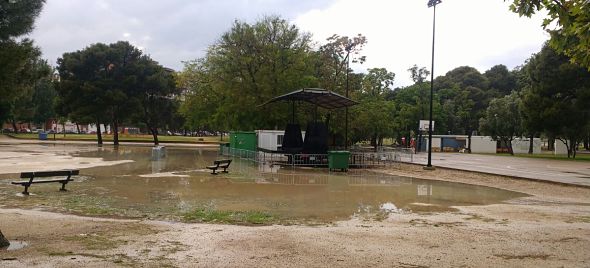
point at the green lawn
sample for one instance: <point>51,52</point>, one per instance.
<point>123,138</point>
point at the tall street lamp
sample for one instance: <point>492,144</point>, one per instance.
<point>348,48</point>
<point>431,3</point>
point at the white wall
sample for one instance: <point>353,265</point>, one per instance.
<point>435,143</point>
<point>103,128</point>
<point>560,148</point>
<point>521,146</point>
<point>483,144</point>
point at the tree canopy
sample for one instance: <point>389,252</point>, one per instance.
<point>571,34</point>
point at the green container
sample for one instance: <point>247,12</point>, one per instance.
<point>338,160</point>
<point>243,140</point>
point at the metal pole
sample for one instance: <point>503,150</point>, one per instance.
<point>429,164</point>
<point>346,115</point>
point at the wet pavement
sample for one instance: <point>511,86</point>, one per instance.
<point>138,186</point>
<point>559,171</point>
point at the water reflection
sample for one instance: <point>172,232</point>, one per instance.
<point>179,183</point>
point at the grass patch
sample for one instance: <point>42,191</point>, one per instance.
<point>230,217</point>
<point>91,206</point>
<point>96,242</point>
<point>123,138</point>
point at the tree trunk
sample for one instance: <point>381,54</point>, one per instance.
<point>14,126</point>
<point>573,146</point>
<point>115,132</point>
<point>3,241</point>
<point>78,128</point>
<point>63,128</point>
<point>98,132</point>
<point>509,143</point>
<point>531,144</point>
<point>469,141</point>
<point>587,142</point>
<point>374,142</point>
<point>567,147</point>
<point>154,132</point>
<point>551,141</point>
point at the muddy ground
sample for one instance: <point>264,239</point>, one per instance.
<point>550,228</point>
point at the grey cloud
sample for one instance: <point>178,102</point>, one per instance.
<point>170,31</point>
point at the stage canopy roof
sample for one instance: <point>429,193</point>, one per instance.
<point>320,97</point>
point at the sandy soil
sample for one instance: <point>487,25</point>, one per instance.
<point>551,228</point>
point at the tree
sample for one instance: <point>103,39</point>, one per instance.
<point>250,64</point>
<point>100,82</point>
<point>559,93</point>
<point>571,35</point>
<point>155,90</point>
<point>502,120</point>
<point>79,89</point>
<point>501,79</point>
<point>43,101</point>
<point>18,17</point>
<point>373,118</point>
<point>17,57</point>
<point>19,103</point>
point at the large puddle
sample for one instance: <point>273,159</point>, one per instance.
<point>179,184</point>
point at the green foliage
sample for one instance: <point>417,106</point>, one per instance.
<point>18,58</point>
<point>571,19</point>
<point>115,83</point>
<point>18,17</point>
<point>502,119</point>
<point>249,65</point>
<point>558,95</point>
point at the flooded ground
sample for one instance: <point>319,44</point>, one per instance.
<point>179,188</point>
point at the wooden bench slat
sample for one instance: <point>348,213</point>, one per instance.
<point>40,181</point>
<point>49,173</point>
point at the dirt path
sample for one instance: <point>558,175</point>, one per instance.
<point>550,228</point>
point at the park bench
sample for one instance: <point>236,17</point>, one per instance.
<point>43,174</point>
<point>217,164</point>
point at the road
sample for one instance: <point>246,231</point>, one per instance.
<point>561,171</point>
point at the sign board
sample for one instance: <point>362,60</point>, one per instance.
<point>424,125</point>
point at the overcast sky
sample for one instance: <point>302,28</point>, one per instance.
<point>478,33</point>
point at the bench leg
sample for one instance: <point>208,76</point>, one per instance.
<point>214,173</point>
<point>26,192</point>
<point>63,187</point>
<point>225,170</point>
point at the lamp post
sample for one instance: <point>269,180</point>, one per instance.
<point>431,3</point>
<point>348,48</point>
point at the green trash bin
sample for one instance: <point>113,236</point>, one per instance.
<point>338,160</point>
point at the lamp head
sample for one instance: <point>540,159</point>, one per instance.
<point>432,3</point>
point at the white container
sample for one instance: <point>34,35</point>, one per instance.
<point>560,148</point>
<point>272,139</point>
<point>483,145</point>
<point>521,145</point>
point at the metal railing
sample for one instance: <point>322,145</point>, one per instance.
<point>357,159</point>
